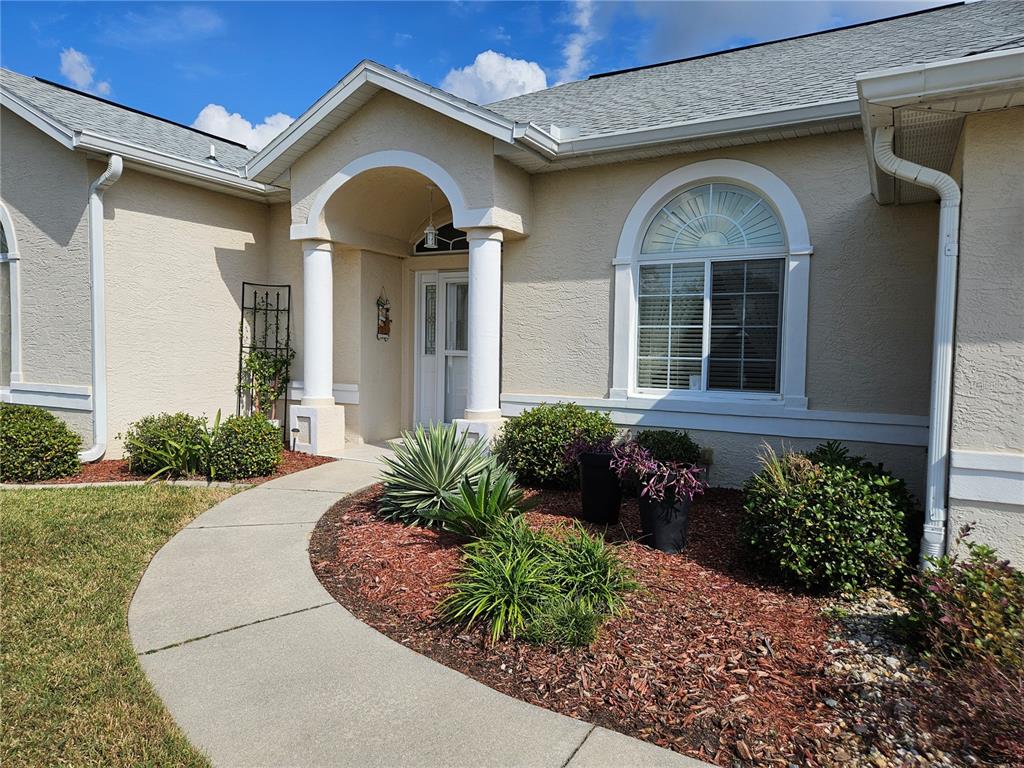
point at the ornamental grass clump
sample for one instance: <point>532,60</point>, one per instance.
<point>171,444</point>
<point>533,444</point>
<point>35,445</point>
<point>516,580</point>
<point>426,471</point>
<point>971,609</point>
<point>826,521</point>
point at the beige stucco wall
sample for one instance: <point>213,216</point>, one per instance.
<point>380,388</point>
<point>988,373</point>
<point>988,400</point>
<point>45,188</point>
<point>390,122</point>
<point>176,256</point>
<point>871,292</point>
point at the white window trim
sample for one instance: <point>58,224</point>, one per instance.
<point>796,289</point>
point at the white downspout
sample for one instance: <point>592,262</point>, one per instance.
<point>934,542</point>
<point>99,325</point>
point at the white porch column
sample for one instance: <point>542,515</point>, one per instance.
<point>483,410</point>
<point>317,323</point>
<point>317,425</point>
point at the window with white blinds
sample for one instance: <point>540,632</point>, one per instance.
<point>709,325</point>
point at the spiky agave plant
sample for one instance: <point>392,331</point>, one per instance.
<point>476,506</point>
<point>427,468</point>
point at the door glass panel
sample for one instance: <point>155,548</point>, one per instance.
<point>456,381</point>
<point>457,325</point>
<point>430,319</point>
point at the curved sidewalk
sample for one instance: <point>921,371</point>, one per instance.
<point>261,667</point>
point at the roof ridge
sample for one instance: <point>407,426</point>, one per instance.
<point>600,75</point>
<point>133,110</point>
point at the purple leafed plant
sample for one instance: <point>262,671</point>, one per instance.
<point>658,480</point>
<point>581,445</point>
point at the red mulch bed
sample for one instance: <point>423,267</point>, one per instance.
<point>116,470</point>
<point>707,661</point>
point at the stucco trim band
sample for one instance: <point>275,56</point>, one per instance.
<point>66,396</point>
<point>752,418</point>
<point>344,394</point>
<point>987,476</point>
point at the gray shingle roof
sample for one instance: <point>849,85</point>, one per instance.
<point>79,111</point>
<point>788,73</point>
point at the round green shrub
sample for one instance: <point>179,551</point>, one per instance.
<point>245,446</point>
<point>147,444</point>
<point>35,445</point>
<point>669,445</point>
<point>834,525</point>
<point>533,444</point>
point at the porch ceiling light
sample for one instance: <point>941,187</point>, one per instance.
<point>430,233</point>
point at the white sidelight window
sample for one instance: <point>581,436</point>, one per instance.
<point>712,288</point>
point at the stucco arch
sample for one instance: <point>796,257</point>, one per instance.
<point>759,179</point>
<point>462,215</point>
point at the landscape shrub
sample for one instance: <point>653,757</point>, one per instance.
<point>669,445</point>
<point>426,470</point>
<point>175,444</point>
<point>244,446</point>
<point>563,623</point>
<point>35,445</point>
<point>533,444</point>
<point>971,609</point>
<point>836,524</point>
<point>588,572</point>
<point>506,577</point>
<point>476,507</point>
<point>518,580</point>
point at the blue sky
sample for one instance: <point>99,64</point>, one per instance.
<point>244,70</point>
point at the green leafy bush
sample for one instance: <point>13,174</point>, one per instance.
<point>828,526</point>
<point>175,444</point>
<point>475,507</point>
<point>971,609</point>
<point>516,577</point>
<point>533,444</point>
<point>564,623</point>
<point>588,572</point>
<point>669,445</point>
<point>505,579</point>
<point>245,446</point>
<point>427,467</point>
<point>35,445</point>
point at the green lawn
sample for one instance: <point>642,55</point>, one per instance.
<point>72,690</point>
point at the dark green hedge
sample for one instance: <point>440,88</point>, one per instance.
<point>245,446</point>
<point>35,445</point>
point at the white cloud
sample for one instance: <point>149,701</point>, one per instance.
<point>213,118</point>
<point>161,25</point>
<point>79,71</point>
<point>493,76</point>
<point>403,70</point>
<point>576,48</point>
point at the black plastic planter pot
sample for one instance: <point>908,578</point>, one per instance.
<point>665,523</point>
<point>599,489</point>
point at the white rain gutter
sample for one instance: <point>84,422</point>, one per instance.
<point>934,541</point>
<point>99,325</point>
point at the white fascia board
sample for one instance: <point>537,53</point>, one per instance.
<point>52,128</point>
<point>940,80</point>
<point>370,73</point>
<point>738,123</point>
<point>90,141</point>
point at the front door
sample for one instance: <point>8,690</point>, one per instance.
<point>442,319</point>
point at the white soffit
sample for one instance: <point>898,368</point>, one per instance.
<point>927,104</point>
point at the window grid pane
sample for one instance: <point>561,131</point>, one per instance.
<point>671,326</point>
<point>430,319</point>
<point>745,318</point>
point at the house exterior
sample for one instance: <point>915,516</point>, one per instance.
<point>818,238</point>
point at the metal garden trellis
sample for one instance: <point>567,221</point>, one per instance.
<point>265,333</point>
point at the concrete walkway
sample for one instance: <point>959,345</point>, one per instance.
<point>261,667</point>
